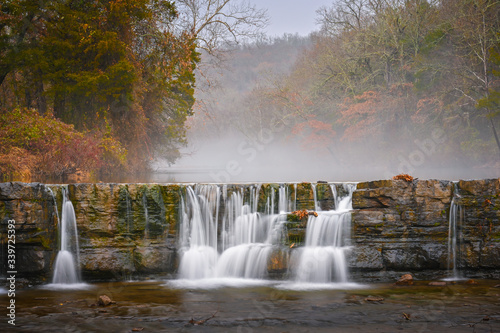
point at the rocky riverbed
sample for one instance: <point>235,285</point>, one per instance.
<point>158,306</point>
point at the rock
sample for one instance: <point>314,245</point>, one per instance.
<point>405,280</point>
<point>104,300</point>
<point>438,284</point>
<point>397,226</point>
<point>374,299</point>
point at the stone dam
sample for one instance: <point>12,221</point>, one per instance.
<point>132,230</point>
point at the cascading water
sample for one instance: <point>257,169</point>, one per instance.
<point>198,233</point>
<point>67,263</point>
<point>249,240</point>
<point>146,215</point>
<point>239,241</point>
<point>323,258</point>
<point>247,237</point>
<point>454,239</point>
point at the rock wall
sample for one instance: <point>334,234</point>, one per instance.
<point>401,226</point>
<point>131,229</point>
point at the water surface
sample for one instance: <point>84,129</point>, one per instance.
<point>261,306</point>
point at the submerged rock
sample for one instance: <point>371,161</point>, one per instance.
<point>438,284</point>
<point>405,280</point>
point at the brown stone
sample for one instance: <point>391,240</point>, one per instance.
<point>405,280</point>
<point>374,299</point>
<point>104,300</point>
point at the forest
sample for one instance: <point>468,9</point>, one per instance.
<point>106,87</point>
<point>397,86</point>
<point>103,87</point>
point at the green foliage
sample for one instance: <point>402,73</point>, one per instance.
<point>114,67</point>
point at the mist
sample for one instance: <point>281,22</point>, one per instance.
<point>240,133</point>
<point>237,159</point>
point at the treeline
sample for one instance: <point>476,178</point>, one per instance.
<point>393,84</point>
<point>92,86</point>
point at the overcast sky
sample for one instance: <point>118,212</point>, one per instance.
<point>291,16</point>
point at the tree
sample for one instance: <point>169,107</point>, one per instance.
<point>476,35</point>
<point>110,66</point>
<point>216,24</point>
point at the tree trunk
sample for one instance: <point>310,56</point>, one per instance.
<point>41,101</point>
<point>495,134</point>
<point>59,105</point>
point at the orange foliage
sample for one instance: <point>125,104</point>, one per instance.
<point>359,115</point>
<point>375,113</point>
<point>315,133</point>
<point>425,108</point>
<point>403,176</point>
<point>302,214</point>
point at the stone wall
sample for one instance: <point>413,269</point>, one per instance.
<point>401,226</point>
<point>131,229</point>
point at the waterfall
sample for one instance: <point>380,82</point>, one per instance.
<point>316,203</point>
<point>238,242</point>
<point>323,258</point>
<point>285,203</point>
<point>146,215</point>
<point>334,194</point>
<point>198,234</point>
<point>454,239</point>
<point>248,240</point>
<point>247,237</point>
<point>128,213</point>
<point>67,263</point>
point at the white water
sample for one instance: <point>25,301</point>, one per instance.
<point>238,254</point>
<point>66,268</point>
<point>199,232</point>
<point>323,258</point>
<point>247,237</point>
<point>146,215</point>
<point>454,237</point>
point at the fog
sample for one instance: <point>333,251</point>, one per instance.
<point>234,135</point>
<point>236,159</point>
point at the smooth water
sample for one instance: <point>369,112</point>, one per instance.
<point>241,249</point>
<point>454,240</point>
<point>153,306</point>
<point>323,258</point>
<point>246,239</point>
<point>66,268</point>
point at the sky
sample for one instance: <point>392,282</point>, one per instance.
<point>291,16</point>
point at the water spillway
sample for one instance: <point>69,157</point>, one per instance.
<point>323,258</point>
<point>240,243</point>
<point>454,239</point>
<point>67,263</point>
<point>145,230</point>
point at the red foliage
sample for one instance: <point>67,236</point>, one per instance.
<point>52,148</point>
<point>426,107</point>
<point>374,113</point>
<point>302,214</point>
<point>403,176</point>
<point>359,115</point>
<point>314,133</point>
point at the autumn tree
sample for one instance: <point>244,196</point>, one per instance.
<point>114,67</point>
